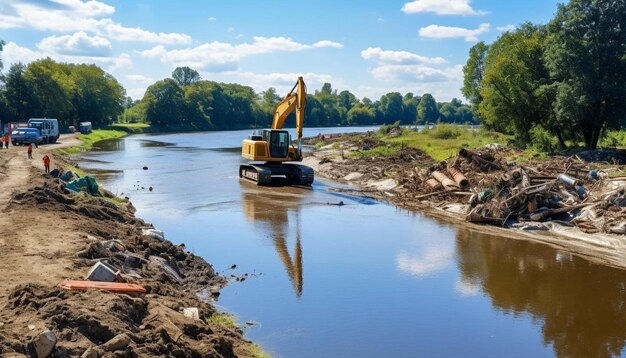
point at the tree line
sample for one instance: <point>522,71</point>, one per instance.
<point>69,92</point>
<point>186,101</point>
<point>563,82</point>
<point>77,92</point>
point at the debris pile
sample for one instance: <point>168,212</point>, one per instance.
<point>491,190</point>
<point>131,292</point>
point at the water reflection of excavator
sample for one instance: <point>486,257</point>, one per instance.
<point>261,209</point>
<point>273,147</point>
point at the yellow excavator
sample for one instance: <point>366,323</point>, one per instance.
<point>273,146</point>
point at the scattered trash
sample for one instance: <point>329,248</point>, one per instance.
<point>77,285</point>
<point>102,271</point>
<point>154,233</point>
<point>564,190</point>
<point>191,312</point>
<point>117,343</point>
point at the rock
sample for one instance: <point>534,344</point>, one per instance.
<point>116,343</point>
<point>90,353</point>
<point>44,344</point>
<point>31,327</point>
<point>145,168</point>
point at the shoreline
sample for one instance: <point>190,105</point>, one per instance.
<point>61,236</point>
<point>391,181</point>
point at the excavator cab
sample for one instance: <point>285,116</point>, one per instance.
<point>279,143</point>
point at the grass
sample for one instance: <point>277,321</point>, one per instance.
<point>258,352</point>
<point>224,319</point>
<point>231,322</point>
<point>442,141</point>
<point>131,128</point>
<point>91,138</point>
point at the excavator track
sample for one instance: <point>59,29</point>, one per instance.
<point>275,174</point>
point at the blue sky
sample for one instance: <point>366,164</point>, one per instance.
<point>367,47</point>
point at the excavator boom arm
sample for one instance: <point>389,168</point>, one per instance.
<point>295,99</point>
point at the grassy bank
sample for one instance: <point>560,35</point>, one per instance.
<point>111,132</point>
<point>440,142</point>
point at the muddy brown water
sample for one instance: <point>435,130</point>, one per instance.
<point>364,279</point>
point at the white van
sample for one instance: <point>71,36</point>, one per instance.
<point>49,128</point>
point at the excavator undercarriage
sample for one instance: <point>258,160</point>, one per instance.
<point>277,173</point>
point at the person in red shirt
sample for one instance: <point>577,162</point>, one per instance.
<point>7,139</point>
<point>46,163</point>
<point>30,151</point>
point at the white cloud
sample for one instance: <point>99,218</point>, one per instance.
<point>212,18</point>
<point>431,260</point>
<point>447,32</point>
<point>327,43</point>
<point>506,28</point>
<point>467,288</point>
<point>78,44</point>
<point>398,57</point>
<point>75,15</point>
<point>222,56</point>
<point>441,7</point>
<point>416,73</point>
<point>139,78</point>
<point>90,8</point>
<point>380,20</point>
<point>13,53</point>
<point>408,72</point>
<point>136,93</point>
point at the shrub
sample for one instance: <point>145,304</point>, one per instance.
<point>445,131</point>
<point>386,128</point>
<point>541,140</point>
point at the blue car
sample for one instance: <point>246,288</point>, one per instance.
<point>26,136</point>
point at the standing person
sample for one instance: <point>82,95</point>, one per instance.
<point>7,139</point>
<point>46,163</point>
<point>30,151</point>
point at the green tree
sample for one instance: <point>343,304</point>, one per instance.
<point>427,111</point>
<point>20,95</point>
<point>515,87</point>
<point>97,95</point>
<point>473,73</point>
<point>586,56</point>
<point>392,107</point>
<point>164,104</point>
<point>52,86</point>
<point>269,101</point>
<point>185,76</point>
<point>360,116</point>
<point>410,103</point>
<point>448,112</point>
<point>2,43</point>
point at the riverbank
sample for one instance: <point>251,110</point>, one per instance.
<point>50,236</point>
<point>391,168</point>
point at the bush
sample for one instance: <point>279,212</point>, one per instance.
<point>386,128</point>
<point>445,131</point>
<point>541,140</point>
<point>614,139</point>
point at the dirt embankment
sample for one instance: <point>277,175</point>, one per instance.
<point>47,236</point>
<point>586,217</point>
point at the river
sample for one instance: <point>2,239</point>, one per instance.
<point>365,279</point>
